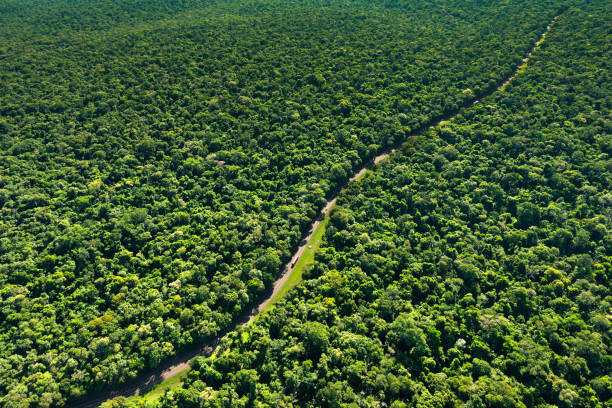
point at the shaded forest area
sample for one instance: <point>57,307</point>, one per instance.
<point>159,161</point>
<point>472,270</point>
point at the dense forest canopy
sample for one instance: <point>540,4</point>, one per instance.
<point>472,270</point>
<point>160,161</point>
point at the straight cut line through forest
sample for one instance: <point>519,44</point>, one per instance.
<point>180,362</point>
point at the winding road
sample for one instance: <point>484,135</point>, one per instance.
<point>179,363</point>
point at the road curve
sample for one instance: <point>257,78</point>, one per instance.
<point>179,363</point>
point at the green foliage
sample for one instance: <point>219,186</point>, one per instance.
<point>473,270</point>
